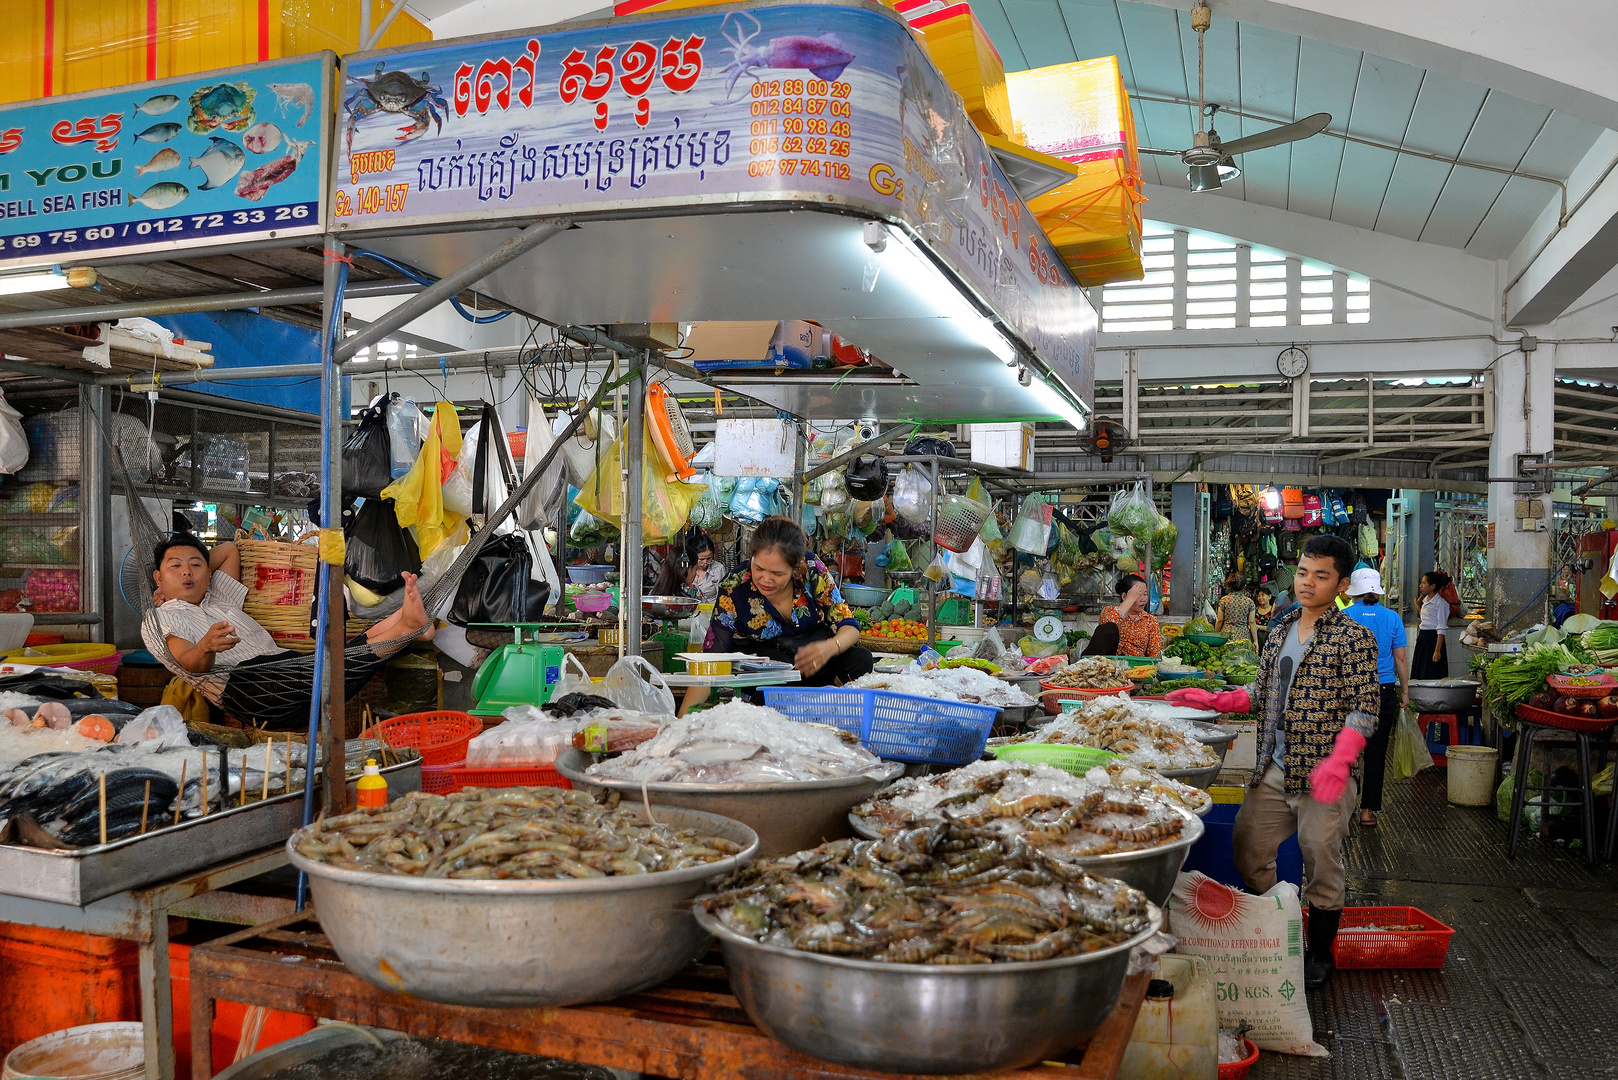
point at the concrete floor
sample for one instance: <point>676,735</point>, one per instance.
<point>1530,986</point>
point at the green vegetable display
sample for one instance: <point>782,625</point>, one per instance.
<point>1514,678</point>
<point>1192,652</point>
<point>1602,643</point>
<point>1160,687</point>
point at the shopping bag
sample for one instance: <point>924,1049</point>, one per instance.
<point>378,551</point>
<point>367,456</point>
<point>665,505</point>
<point>13,441</point>
<point>533,510</point>
<point>418,496</point>
<point>499,587</point>
<point>633,683</point>
<point>1410,754</point>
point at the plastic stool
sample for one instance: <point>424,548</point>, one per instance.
<point>1449,720</point>
<point>1521,787</point>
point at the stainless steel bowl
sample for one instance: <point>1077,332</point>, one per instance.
<point>863,595</point>
<point>1442,696</point>
<point>668,607</point>
<point>1197,778</point>
<point>511,943</point>
<point>787,817</point>
<point>1152,870</point>
<point>916,1018</point>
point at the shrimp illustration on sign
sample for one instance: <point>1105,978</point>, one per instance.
<point>824,57</point>
<point>289,95</point>
<point>396,93</point>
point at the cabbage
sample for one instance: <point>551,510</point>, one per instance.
<point>1579,624</point>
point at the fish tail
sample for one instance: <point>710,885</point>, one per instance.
<point>131,200</point>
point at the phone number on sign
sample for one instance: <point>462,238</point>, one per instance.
<point>836,170</point>
<point>258,219</point>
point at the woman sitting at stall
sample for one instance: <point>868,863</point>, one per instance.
<point>1238,614</point>
<point>704,572</point>
<point>786,606</point>
<point>1126,628</point>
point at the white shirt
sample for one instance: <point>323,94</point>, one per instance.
<point>1435,613</point>
<point>190,622</point>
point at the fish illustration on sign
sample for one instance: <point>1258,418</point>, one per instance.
<point>156,106</point>
<point>162,161</point>
<point>824,57</point>
<point>158,133</point>
<point>226,105</point>
<point>262,137</point>
<point>289,96</point>
<point>222,160</point>
<point>253,184</point>
<point>161,196</point>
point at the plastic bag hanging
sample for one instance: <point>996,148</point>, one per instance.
<point>913,495</point>
<point>418,497</point>
<point>405,425</point>
<point>1031,531</point>
<point>534,510</point>
<point>378,551</point>
<point>367,455</point>
<point>665,505</point>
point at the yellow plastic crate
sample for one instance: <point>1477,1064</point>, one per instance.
<point>969,62</point>
<point>1080,112</point>
<point>55,47</point>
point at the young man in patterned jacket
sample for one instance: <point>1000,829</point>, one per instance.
<point>1317,699</point>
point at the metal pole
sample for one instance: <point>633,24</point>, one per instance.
<point>181,305</point>
<point>449,285</point>
<point>632,560</point>
<point>932,547</point>
<point>331,516</point>
<point>798,457</point>
<point>95,540</point>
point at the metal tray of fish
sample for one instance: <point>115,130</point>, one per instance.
<point>84,875</point>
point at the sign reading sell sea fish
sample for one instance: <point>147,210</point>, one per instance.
<point>722,107</point>
<point>180,163</point>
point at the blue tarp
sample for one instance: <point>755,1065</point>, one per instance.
<point>247,339</point>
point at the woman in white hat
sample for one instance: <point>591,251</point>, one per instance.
<point>1393,672</point>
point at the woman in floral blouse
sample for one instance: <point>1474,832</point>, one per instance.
<point>786,606</point>
<point>1138,632</point>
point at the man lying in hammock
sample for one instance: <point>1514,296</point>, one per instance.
<point>199,623</point>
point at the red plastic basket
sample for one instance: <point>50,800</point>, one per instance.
<point>439,779</point>
<point>1566,723</point>
<point>1371,950</point>
<point>461,777</point>
<point>1596,686</point>
<point>1236,1070</point>
<point>440,737</point>
<point>1053,696</point>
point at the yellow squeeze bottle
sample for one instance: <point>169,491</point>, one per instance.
<point>371,791</point>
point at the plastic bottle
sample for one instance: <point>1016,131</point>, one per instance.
<point>1176,1036</point>
<point>371,791</point>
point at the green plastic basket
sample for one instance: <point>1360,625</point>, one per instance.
<point>1077,760</point>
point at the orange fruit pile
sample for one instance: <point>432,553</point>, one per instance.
<point>909,629</point>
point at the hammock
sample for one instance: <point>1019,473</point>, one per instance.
<point>277,691</point>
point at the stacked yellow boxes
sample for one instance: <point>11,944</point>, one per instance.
<point>54,47</point>
<point>1080,112</point>
<point>967,59</point>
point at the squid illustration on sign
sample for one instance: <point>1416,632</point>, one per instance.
<point>824,57</point>
<point>396,93</point>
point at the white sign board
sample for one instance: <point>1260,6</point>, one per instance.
<point>755,448</point>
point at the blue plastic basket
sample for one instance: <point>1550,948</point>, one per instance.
<point>899,727</point>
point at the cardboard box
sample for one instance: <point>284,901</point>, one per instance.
<point>740,346</point>
<point>1009,446</point>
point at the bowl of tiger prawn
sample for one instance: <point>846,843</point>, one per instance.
<point>941,949</point>
<point>516,896</point>
<point>1133,828</point>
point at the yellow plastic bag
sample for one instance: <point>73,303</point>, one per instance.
<point>665,505</point>
<point>418,495</point>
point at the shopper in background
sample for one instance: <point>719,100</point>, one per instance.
<point>1432,659</point>
<point>1392,672</point>
<point>704,573</point>
<point>671,575</point>
<point>1138,632</point>
<point>1317,700</point>
<point>1238,614</point>
<point>1289,605</point>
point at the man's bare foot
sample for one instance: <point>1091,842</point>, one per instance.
<point>413,613</point>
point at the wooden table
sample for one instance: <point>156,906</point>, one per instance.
<point>690,1028</point>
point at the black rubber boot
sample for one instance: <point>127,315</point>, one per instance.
<point>1317,959</point>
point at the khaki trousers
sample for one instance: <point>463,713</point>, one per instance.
<point>1269,815</point>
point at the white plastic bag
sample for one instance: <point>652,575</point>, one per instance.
<point>531,512</point>
<point>1255,944</point>
<point>520,743</point>
<point>576,681</point>
<point>912,495</point>
<point>1031,532</point>
<point>159,722</point>
<point>406,426</point>
<point>13,443</point>
<point>633,683</point>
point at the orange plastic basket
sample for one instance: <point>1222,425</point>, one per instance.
<point>1236,1070</point>
<point>498,778</point>
<point>440,737</point>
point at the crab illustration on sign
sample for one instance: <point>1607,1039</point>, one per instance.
<point>396,93</point>
<point>824,57</point>
<point>226,105</point>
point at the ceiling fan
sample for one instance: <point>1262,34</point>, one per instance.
<point>1208,160</point>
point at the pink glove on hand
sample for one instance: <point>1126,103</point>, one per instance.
<point>1231,701</point>
<point>1330,777</point>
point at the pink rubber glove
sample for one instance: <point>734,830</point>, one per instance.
<point>1330,777</point>
<point>1232,701</point>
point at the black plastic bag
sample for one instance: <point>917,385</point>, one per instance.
<point>930,444</point>
<point>380,552</point>
<point>368,456</point>
<point>498,586</point>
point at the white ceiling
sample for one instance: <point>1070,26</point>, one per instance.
<point>1264,72</point>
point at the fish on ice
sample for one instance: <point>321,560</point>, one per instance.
<point>162,161</point>
<point>161,196</point>
<point>222,160</point>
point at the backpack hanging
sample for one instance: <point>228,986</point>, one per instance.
<point>1313,517</point>
<point>1289,545</point>
<point>1368,542</point>
<point>1270,501</point>
<point>1339,509</point>
<point>1292,503</point>
<point>1223,506</point>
